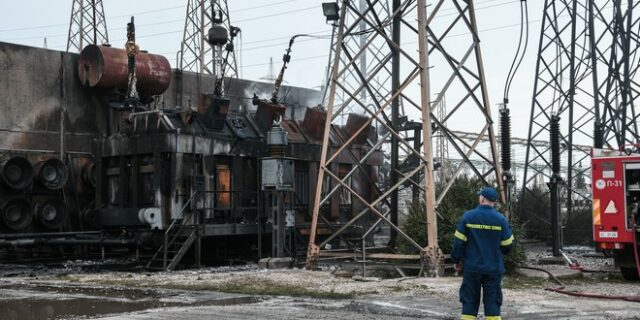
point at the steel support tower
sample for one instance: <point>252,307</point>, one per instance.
<point>195,54</point>
<point>87,25</point>
<point>406,61</point>
<point>615,44</point>
<point>586,74</point>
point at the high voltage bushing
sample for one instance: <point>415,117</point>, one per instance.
<point>505,142</point>
<point>554,130</point>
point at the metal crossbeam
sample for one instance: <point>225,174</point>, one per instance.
<point>87,25</point>
<point>381,70</point>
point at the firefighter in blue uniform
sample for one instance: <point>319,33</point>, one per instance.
<point>481,239</point>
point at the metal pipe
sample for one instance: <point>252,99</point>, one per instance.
<point>63,107</point>
<point>415,188</point>
<point>395,113</point>
<point>65,241</point>
<point>571,94</point>
<point>554,185</point>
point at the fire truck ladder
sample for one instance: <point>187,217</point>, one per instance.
<point>178,238</point>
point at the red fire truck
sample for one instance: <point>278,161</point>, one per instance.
<point>616,197</point>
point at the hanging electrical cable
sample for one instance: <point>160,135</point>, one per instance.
<point>286,59</point>
<point>521,51</point>
<point>505,118</point>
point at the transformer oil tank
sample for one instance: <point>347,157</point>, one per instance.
<point>106,67</point>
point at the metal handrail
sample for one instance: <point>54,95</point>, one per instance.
<point>133,117</point>
<point>175,236</point>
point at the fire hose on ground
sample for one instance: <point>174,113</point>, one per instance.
<point>561,289</point>
<point>576,266</point>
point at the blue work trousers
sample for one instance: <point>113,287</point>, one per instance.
<point>491,285</point>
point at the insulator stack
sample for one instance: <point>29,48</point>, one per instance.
<point>505,136</point>
<point>598,135</point>
<point>555,143</point>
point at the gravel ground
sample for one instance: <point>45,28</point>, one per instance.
<point>404,298</point>
<point>287,294</point>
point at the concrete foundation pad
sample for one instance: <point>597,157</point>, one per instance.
<point>552,261</point>
<point>365,279</point>
<point>276,263</point>
<point>343,274</point>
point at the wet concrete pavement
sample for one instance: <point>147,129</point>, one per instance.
<point>154,297</point>
<point>359,309</point>
<point>43,301</point>
<point>37,301</point>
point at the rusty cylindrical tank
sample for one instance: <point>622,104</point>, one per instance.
<point>106,67</point>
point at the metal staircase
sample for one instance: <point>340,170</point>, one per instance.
<point>178,238</point>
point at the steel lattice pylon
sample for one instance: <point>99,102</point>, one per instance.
<point>585,73</point>
<point>87,25</point>
<point>196,54</point>
<point>392,87</point>
<point>616,57</point>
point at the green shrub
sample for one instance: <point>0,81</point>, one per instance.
<point>533,213</point>
<point>460,198</point>
<point>578,226</point>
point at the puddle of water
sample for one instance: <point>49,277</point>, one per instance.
<point>43,309</point>
<point>111,292</point>
<point>40,301</point>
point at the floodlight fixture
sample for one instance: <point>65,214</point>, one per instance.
<point>330,10</point>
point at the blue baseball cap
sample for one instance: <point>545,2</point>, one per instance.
<point>488,193</point>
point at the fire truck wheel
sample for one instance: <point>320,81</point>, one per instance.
<point>629,274</point>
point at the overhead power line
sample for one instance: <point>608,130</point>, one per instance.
<point>139,13</point>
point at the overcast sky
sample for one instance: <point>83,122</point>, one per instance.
<point>266,27</point>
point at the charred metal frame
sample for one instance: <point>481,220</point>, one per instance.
<point>585,71</point>
<point>384,103</point>
<point>87,25</point>
<point>195,54</point>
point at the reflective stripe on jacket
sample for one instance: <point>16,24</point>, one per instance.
<point>480,240</point>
